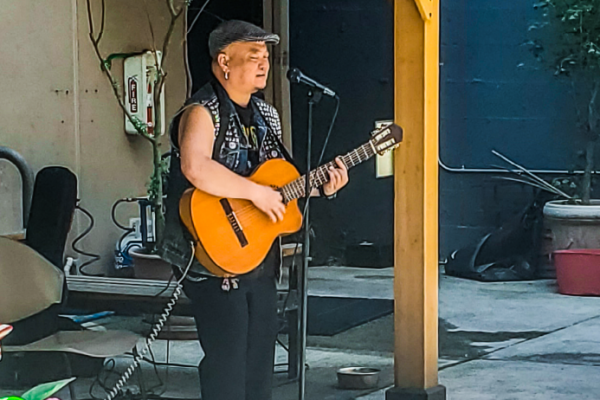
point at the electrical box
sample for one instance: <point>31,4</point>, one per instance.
<point>384,165</point>
<point>140,79</point>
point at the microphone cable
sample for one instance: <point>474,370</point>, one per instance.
<point>325,143</point>
<point>139,356</point>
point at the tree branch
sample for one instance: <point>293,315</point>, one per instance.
<point>151,33</point>
<point>172,8</point>
<point>90,21</point>
<point>102,22</point>
<point>113,82</point>
<point>186,59</point>
<point>175,14</point>
<point>592,117</point>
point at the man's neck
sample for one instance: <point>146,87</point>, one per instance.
<point>241,98</point>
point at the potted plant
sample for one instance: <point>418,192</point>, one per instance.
<point>574,224</point>
<point>574,29</point>
<point>150,132</point>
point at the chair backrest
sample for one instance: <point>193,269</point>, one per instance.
<point>52,207</point>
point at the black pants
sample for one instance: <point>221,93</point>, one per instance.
<point>237,331</point>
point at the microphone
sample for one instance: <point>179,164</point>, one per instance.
<point>294,75</point>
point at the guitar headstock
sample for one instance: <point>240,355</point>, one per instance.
<point>386,138</point>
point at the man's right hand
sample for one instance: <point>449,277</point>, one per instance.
<point>269,201</point>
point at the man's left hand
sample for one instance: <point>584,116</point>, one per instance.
<point>338,178</point>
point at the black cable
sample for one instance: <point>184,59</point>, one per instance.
<point>113,216</point>
<point>170,364</point>
<point>164,386</point>
<point>335,114</point>
<point>108,368</point>
<point>94,257</point>
<point>337,108</point>
<point>167,286</point>
<point>282,345</point>
<point>215,16</point>
<point>197,16</point>
<point>114,208</point>
<point>123,236</point>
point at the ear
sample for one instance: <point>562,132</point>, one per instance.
<point>223,61</point>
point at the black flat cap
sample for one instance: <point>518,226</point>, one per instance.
<point>237,31</point>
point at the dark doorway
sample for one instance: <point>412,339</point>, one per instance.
<point>348,46</point>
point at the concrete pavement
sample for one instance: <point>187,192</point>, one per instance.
<point>501,341</point>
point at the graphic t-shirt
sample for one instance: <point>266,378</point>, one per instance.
<point>251,140</point>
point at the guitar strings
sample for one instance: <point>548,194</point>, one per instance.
<point>318,178</point>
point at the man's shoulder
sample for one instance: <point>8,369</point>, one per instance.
<point>209,102</point>
<point>205,98</point>
<point>270,114</point>
<point>265,107</point>
<point>206,92</point>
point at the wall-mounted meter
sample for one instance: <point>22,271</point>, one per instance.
<point>140,78</point>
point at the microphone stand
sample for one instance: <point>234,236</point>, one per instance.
<point>314,96</point>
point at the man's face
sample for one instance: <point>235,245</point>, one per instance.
<point>248,64</point>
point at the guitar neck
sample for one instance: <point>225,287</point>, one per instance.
<point>320,176</point>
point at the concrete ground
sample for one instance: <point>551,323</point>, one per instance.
<point>501,341</point>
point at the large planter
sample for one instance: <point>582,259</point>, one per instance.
<point>572,226</point>
<point>150,266</point>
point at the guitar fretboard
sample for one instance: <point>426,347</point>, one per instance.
<point>320,176</point>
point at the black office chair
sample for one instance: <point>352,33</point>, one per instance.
<point>52,208</point>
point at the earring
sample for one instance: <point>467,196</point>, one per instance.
<point>226,75</point>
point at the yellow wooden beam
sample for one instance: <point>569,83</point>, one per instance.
<point>416,45</point>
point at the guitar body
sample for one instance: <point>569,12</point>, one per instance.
<point>232,236</point>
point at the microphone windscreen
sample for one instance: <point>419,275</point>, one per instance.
<point>293,75</point>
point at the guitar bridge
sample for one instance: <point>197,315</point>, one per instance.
<point>234,222</point>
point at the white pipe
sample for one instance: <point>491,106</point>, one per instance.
<point>68,265</point>
<point>498,170</point>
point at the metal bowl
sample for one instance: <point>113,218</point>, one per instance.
<point>358,377</point>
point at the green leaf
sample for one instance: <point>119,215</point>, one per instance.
<point>46,390</point>
<point>11,398</point>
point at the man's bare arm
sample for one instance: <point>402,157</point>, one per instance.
<point>196,141</point>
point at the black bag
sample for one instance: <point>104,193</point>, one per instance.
<point>510,253</point>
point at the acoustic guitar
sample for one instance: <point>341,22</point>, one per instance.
<point>233,237</point>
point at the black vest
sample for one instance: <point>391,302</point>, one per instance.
<point>175,246</point>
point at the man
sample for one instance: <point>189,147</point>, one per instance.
<point>220,136</point>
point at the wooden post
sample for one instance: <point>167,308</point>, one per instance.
<point>416,37</point>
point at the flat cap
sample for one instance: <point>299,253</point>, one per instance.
<point>233,31</point>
